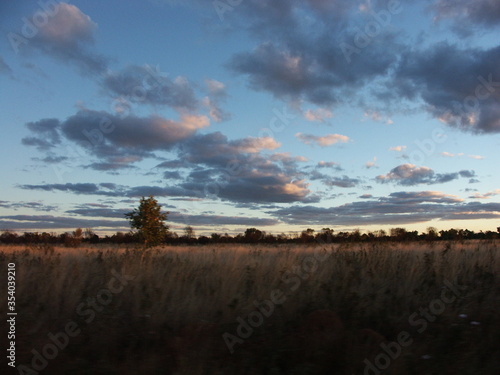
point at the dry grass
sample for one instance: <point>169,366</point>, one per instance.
<point>170,318</point>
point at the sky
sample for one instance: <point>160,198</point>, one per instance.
<point>280,115</point>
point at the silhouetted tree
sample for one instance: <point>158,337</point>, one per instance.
<point>148,220</point>
<point>253,235</point>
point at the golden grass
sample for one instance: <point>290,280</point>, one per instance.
<point>170,318</point>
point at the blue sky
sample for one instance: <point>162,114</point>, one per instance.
<point>281,115</point>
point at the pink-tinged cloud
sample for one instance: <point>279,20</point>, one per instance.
<point>397,148</point>
<point>487,195</point>
<point>324,141</point>
<point>319,115</point>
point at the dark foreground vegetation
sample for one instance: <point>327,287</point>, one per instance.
<point>250,236</point>
<point>428,307</point>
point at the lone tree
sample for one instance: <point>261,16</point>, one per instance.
<point>149,221</point>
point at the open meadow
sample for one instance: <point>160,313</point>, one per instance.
<point>390,308</point>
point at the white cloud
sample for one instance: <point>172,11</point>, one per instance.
<point>477,157</point>
<point>451,155</point>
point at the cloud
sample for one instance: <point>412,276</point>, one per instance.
<point>37,206</point>
<point>326,140</point>
<point>328,164</point>
<point>319,114</point>
<point>216,96</point>
<point>378,117</point>
<point>404,197</point>
<point>238,172</point>
<point>342,182</point>
<point>31,222</point>
<point>115,140</point>
<point>315,67</point>
<point>4,67</point>
<point>463,13</point>
<point>471,103</point>
<point>46,134</point>
<point>231,170</point>
<point>450,155</point>
<point>397,148</point>
<point>114,166</point>
<point>477,157</point>
<point>371,163</point>
<point>217,220</point>
<point>487,195</point>
<point>409,175</point>
<point>180,217</point>
<point>148,85</point>
<point>397,209</point>
<point>113,190</point>
<point>65,37</point>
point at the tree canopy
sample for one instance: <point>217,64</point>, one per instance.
<point>149,221</point>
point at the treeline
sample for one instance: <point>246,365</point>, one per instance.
<point>250,236</point>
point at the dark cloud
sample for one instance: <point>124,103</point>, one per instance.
<point>112,213</point>
<point>471,103</point>
<point>404,197</point>
<point>4,67</point>
<point>37,206</point>
<point>409,175</point>
<point>172,175</point>
<point>51,159</point>
<point>45,134</point>
<point>318,55</point>
<point>109,166</point>
<point>466,14</point>
<point>113,190</point>
<point>233,170</point>
<point>95,129</point>
<point>31,222</point>
<point>344,181</point>
<point>147,85</point>
<point>116,141</point>
<point>179,217</point>
<point>398,208</point>
<point>309,58</point>
<point>236,170</point>
<point>327,180</point>
<point>216,220</point>
<point>173,164</point>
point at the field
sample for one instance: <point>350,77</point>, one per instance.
<point>390,308</point>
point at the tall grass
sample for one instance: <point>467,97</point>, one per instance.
<point>170,318</point>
